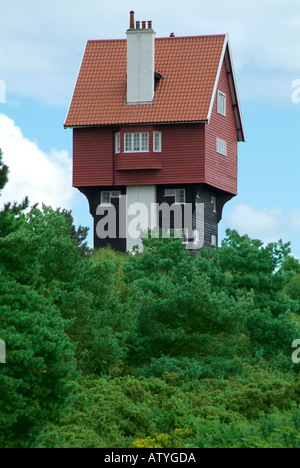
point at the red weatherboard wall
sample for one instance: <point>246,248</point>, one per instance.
<point>221,171</point>
<point>182,156</point>
<point>181,159</point>
<point>92,156</point>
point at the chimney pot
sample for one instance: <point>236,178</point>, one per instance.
<point>149,24</point>
<point>172,34</point>
<point>131,20</point>
<point>143,24</point>
<point>138,24</point>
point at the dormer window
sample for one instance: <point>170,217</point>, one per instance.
<point>136,142</point>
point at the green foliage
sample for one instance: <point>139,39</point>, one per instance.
<point>36,382</point>
<point>4,171</point>
<point>162,348</point>
<point>256,410</point>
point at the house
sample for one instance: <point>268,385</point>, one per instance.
<point>156,124</point>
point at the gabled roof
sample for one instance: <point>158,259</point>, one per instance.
<point>189,69</point>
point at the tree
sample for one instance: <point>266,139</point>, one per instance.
<point>3,172</point>
<point>264,271</point>
<point>36,383</point>
<point>185,323</point>
<point>201,314</point>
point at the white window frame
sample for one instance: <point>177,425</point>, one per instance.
<point>176,193</point>
<point>213,240</point>
<point>111,194</point>
<point>221,146</point>
<point>117,142</point>
<point>136,142</point>
<point>221,103</point>
<point>214,203</point>
<point>157,142</point>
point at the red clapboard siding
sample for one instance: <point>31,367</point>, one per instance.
<point>221,171</point>
<point>182,156</point>
<point>181,159</point>
<point>92,157</point>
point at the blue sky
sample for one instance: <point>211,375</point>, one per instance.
<point>41,48</point>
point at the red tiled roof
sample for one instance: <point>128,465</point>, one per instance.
<point>189,66</point>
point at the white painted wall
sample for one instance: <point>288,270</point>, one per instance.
<point>140,65</point>
<point>141,212</point>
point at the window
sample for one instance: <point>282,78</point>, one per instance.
<point>213,240</point>
<point>136,142</point>
<point>107,196</point>
<point>183,234</point>
<point>157,142</point>
<point>214,204</point>
<point>221,103</point>
<point>117,142</point>
<point>179,195</point>
<point>221,147</point>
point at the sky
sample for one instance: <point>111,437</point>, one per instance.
<point>41,49</point>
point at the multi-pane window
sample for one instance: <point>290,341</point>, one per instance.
<point>107,196</point>
<point>221,147</point>
<point>136,142</point>
<point>117,142</point>
<point>221,103</point>
<point>178,194</point>
<point>157,142</point>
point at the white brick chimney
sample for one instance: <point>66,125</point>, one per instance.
<point>140,62</point>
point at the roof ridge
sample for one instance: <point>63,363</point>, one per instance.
<point>162,38</point>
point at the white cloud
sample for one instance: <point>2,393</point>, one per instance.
<point>44,178</point>
<point>43,42</point>
<point>266,225</point>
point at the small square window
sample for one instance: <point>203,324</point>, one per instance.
<point>105,198</point>
<point>178,194</point>
<point>169,193</point>
<point>115,194</point>
<point>213,240</point>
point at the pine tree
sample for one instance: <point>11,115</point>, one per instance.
<point>36,383</point>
